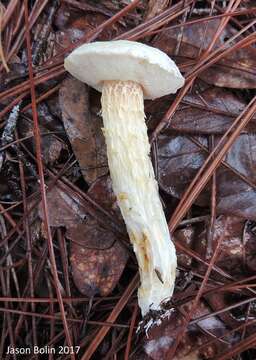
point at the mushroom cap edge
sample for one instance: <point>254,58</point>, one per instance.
<point>94,63</point>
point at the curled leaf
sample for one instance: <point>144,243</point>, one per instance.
<point>83,129</point>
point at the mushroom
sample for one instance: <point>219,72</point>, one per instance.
<point>126,72</point>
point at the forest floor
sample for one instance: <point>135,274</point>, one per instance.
<point>68,274</point>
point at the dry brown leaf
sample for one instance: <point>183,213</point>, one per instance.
<point>185,237</point>
<point>249,236</point>
<point>64,209</point>
<point>72,25</point>
<point>237,70</point>
<point>238,246</point>
<point>161,338</point>
<point>16,75</point>
<point>155,7</point>
<point>83,129</point>
<point>52,146</point>
<point>97,257</point>
<point>209,111</point>
<point>98,263</point>
<point>179,160</point>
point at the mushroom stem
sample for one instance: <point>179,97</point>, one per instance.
<point>136,190</point>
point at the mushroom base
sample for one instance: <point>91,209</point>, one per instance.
<point>136,190</point>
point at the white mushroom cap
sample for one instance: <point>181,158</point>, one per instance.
<point>97,62</point>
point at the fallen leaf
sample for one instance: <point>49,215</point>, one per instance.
<point>161,337</point>
<point>210,111</point>
<point>72,26</point>
<point>96,8</point>
<point>98,263</point>
<point>179,160</point>
<point>155,7</point>
<point>250,245</point>
<point>238,246</point>
<point>185,237</point>
<point>64,209</point>
<point>43,39</point>
<point>52,146</point>
<point>219,300</point>
<point>17,73</point>
<point>102,193</point>
<point>83,129</point>
<point>97,257</point>
<point>237,70</point>
<point>230,256</point>
<point>48,119</point>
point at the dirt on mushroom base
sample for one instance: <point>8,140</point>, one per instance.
<point>141,242</point>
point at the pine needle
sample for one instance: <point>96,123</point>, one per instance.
<point>2,58</point>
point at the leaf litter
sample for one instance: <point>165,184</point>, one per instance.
<point>237,71</point>
<point>179,159</point>
<point>83,129</point>
<point>98,272</point>
<point>97,257</point>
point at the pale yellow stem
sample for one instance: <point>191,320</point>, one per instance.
<point>137,191</point>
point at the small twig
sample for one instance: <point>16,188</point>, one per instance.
<point>210,230</point>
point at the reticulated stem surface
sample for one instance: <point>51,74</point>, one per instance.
<point>136,190</point>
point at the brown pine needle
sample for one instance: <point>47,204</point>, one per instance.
<point>2,58</point>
